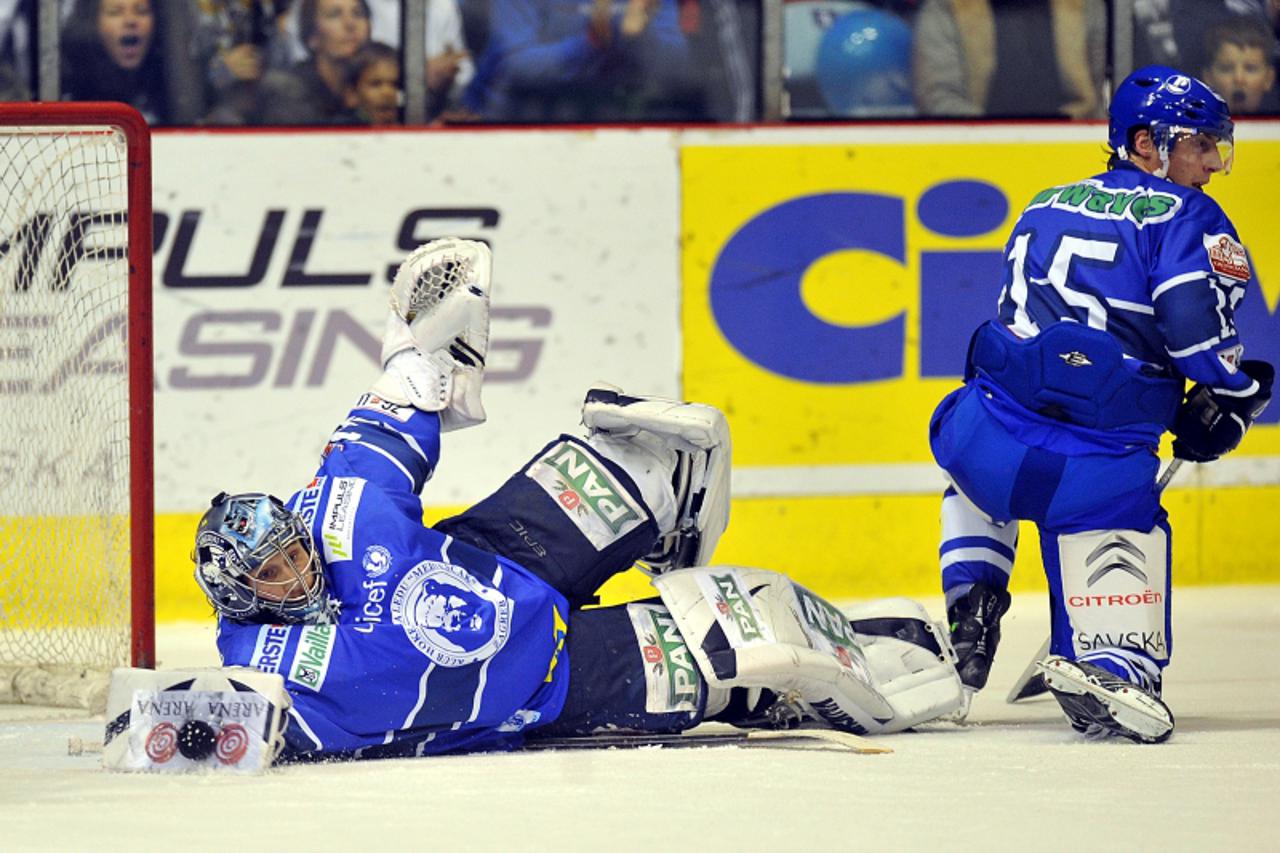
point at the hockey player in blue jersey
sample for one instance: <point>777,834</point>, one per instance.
<point>398,639</point>
<point>1118,288</point>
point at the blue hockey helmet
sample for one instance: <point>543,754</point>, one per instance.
<point>1169,104</point>
<point>256,561</point>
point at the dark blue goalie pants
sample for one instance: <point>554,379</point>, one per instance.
<point>575,519</point>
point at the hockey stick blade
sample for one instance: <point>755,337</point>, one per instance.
<point>828,739</point>
<point>1031,682</point>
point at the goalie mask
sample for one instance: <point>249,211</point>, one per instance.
<point>1170,105</point>
<point>255,561</point>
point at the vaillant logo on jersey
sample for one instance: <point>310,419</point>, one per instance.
<point>1091,198</point>
<point>339,525</point>
<point>311,661</point>
<point>1112,555</point>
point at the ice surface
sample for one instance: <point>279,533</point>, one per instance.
<point>1014,778</point>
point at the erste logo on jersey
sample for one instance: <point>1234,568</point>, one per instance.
<point>1227,256</point>
<point>450,616</point>
<point>308,500</point>
<point>338,529</point>
<point>268,651</point>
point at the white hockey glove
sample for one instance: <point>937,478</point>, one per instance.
<point>437,333</point>
<point>175,721</point>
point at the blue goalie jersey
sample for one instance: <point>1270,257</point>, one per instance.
<point>436,646</point>
<point>1156,265</point>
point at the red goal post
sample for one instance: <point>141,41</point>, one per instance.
<point>76,424</point>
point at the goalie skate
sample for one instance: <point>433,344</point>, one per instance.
<point>699,435</point>
<point>1098,703</point>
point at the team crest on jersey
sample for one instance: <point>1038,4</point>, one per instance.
<point>450,616</point>
<point>1227,257</point>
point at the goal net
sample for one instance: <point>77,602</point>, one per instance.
<point>75,400</point>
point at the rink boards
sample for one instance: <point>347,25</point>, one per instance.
<point>818,284</point>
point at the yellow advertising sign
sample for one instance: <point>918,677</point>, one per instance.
<point>864,268</point>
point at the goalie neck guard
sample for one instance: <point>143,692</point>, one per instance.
<point>255,561</point>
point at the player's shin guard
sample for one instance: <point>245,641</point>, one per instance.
<point>975,631</point>
<point>699,436</point>
<point>1099,703</point>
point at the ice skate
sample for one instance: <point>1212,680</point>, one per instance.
<point>1099,703</point>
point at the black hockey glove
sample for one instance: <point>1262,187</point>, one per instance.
<point>1211,423</point>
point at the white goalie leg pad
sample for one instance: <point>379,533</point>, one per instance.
<point>910,658</point>
<point>756,628</point>
<point>437,333</point>
<point>699,436</point>
<point>175,721</point>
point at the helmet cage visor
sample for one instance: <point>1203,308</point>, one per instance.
<point>1166,136</point>
<point>231,555</point>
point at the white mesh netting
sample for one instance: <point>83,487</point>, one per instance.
<point>64,400</point>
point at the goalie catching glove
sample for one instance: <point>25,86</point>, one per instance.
<point>437,334</point>
<point>1212,421</point>
<point>886,669</point>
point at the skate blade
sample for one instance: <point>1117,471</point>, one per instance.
<point>1130,708</point>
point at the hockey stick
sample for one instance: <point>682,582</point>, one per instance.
<point>1031,682</point>
<point>823,739</point>
<point>828,739</point>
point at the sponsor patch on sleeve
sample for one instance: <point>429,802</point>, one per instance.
<point>311,660</point>
<point>338,529</point>
<point>374,403</point>
<point>1230,357</point>
<point>268,651</point>
<point>1227,256</point>
<point>585,491</point>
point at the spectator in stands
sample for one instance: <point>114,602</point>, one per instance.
<point>724,41</point>
<point>236,41</point>
<point>373,84</point>
<point>1171,32</point>
<point>17,28</point>
<point>315,90</point>
<point>111,52</point>
<point>1010,57</point>
<point>565,61</point>
<point>449,67</point>
<point>1240,50</point>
